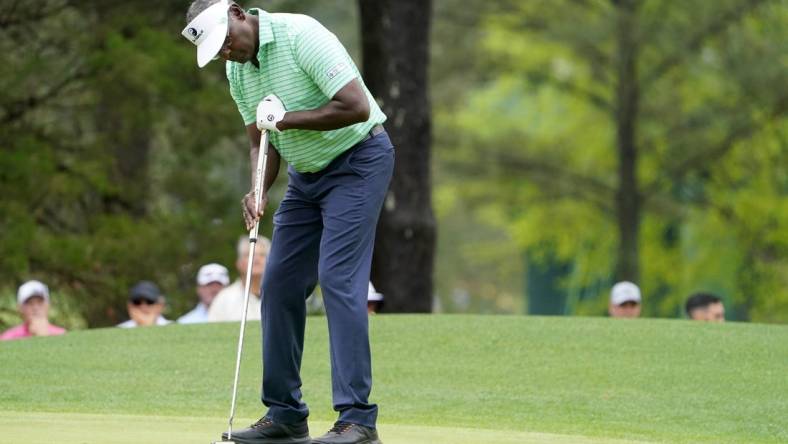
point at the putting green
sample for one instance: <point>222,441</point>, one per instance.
<point>452,379</point>
<point>77,428</point>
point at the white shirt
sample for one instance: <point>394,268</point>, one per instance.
<point>197,315</point>
<point>229,303</point>
<point>131,323</point>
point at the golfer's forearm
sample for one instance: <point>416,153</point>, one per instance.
<point>272,169</point>
<point>349,106</point>
<point>330,116</point>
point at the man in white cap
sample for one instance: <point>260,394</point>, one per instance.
<point>624,300</point>
<point>229,303</point>
<point>211,279</point>
<point>292,77</point>
<point>374,300</point>
<point>32,301</point>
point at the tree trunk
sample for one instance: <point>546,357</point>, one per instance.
<point>395,50</point>
<point>628,201</point>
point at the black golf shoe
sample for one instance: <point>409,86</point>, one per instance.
<point>266,431</point>
<point>347,433</point>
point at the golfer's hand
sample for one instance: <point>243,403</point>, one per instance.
<point>247,204</point>
<point>270,111</point>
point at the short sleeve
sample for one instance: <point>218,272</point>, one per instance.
<point>321,55</point>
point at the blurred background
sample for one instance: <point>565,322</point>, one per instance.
<point>546,149</point>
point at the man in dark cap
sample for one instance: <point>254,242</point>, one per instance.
<point>145,305</point>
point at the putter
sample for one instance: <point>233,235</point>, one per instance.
<point>259,177</point>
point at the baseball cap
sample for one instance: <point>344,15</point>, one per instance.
<point>30,289</point>
<point>213,273</point>
<point>145,290</point>
<point>208,31</point>
<point>373,295</point>
<point>624,292</point>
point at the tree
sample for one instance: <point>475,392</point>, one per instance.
<point>395,52</point>
<point>107,176</point>
<point>607,147</point>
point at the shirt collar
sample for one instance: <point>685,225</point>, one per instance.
<point>265,32</point>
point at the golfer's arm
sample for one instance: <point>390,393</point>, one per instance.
<point>272,166</point>
<point>348,106</point>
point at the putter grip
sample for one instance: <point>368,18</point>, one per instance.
<point>262,158</point>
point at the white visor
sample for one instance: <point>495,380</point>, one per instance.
<point>208,31</point>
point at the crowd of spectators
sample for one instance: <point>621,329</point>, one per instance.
<point>220,301</point>
<point>625,302</point>
<point>217,299</point>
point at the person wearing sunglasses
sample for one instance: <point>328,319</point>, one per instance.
<point>145,306</point>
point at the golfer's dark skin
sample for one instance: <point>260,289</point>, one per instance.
<point>348,106</point>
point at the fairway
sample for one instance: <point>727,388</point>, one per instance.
<point>438,379</point>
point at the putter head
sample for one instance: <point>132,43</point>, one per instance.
<point>226,439</point>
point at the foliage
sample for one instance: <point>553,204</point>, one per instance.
<point>710,143</point>
<point>119,159</point>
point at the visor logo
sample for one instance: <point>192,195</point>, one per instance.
<point>194,33</point>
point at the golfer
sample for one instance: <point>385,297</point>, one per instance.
<point>290,76</point>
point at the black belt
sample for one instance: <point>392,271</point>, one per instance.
<point>377,129</point>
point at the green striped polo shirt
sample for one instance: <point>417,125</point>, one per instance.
<point>303,64</point>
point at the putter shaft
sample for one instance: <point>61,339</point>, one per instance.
<point>262,160</point>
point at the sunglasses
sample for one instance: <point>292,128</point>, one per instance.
<point>139,302</point>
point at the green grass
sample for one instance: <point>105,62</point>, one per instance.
<point>78,428</point>
<point>459,378</point>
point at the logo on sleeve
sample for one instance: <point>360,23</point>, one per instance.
<point>336,70</point>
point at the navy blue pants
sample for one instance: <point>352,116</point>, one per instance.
<point>324,231</point>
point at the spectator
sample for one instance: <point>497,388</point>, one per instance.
<point>32,301</point>
<point>624,300</point>
<point>374,300</point>
<point>211,279</point>
<point>145,305</point>
<point>705,307</point>
<point>228,305</point>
